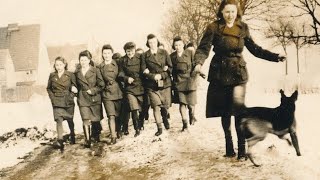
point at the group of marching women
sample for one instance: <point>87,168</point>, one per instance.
<point>135,81</point>
<point>128,84</point>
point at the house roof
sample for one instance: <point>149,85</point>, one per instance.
<point>3,56</point>
<point>68,52</point>
<point>23,43</point>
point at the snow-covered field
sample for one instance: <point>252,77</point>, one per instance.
<point>191,155</point>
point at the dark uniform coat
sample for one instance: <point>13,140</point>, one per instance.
<point>59,90</point>
<point>183,78</point>
<point>110,73</point>
<point>132,68</point>
<point>93,81</point>
<point>227,67</point>
<point>155,63</point>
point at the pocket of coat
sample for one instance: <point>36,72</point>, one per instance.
<point>182,67</point>
<point>243,70</point>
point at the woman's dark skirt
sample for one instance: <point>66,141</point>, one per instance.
<point>225,100</point>
<point>187,97</point>
<point>65,113</point>
<point>112,107</point>
<point>93,113</point>
<point>160,97</point>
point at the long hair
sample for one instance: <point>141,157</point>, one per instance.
<point>59,58</point>
<point>223,5</point>
<point>87,54</point>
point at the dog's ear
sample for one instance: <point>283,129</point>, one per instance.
<point>295,95</point>
<point>281,92</point>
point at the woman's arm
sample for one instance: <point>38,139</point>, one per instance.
<point>204,47</point>
<point>258,51</point>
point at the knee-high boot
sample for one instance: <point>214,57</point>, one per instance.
<point>226,123</point>
<point>72,134</point>
<point>241,138</point>
<point>87,135</point>
<point>135,119</point>
<point>159,132</point>
<point>165,118</point>
<point>96,130</point>
<point>184,125</point>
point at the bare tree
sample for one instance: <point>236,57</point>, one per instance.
<point>189,18</point>
<point>280,30</point>
<point>309,8</point>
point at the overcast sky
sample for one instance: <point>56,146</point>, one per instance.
<point>76,21</point>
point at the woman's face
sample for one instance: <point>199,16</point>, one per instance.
<point>153,43</point>
<point>178,45</point>
<point>229,13</point>
<point>107,54</point>
<point>84,61</point>
<point>130,52</point>
<point>59,65</point>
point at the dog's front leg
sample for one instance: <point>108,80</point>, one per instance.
<point>251,143</point>
<point>294,140</point>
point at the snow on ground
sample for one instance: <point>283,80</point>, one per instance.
<point>197,154</point>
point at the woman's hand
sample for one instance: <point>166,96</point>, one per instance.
<point>157,77</point>
<point>74,90</point>
<point>89,92</point>
<point>165,68</point>
<point>130,80</point>
<point>197,68</point>
<point>282,58</point>
<point>146,71</point>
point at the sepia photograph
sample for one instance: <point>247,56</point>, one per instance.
<point>159,89</point>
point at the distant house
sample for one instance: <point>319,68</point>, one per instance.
<point>7,72</point>
<point>26,51</point>
<point>23,60</point>
<point>68,51</point>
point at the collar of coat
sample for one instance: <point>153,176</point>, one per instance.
<point>132,61</point>
<point>113,62</point>
<point>236,29</point>
<point>84,77</point>
<point>65,76</point>
<point>151,57</point>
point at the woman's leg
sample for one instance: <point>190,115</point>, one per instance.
<point>87,132</point>
<point>241,138</point>
<point>112,128</point>
<point>226,125</point>
<point>183,112</point>
<point>165,117</point>
<point>135,120</point>
<point>192,118</point>
<point>72,134</point>
<point>60,133</point>
<point>157,117</point>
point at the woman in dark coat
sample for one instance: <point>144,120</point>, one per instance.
<point>90,84</point>
<point>184,80</point>
<point>112,94</point>
<point>61,89</point>
<point>131,75</point>
<point>157,67</point>
<point>228,73</point>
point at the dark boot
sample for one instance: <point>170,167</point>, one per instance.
<point>159,132</point>
<point>135,120</point>
<point>113,140</point>
<point>60,142</point>
<point>229,148</point>
<point>141,121</point>
<point>165,118</point>
<point>118,128</point>
<point>87,135</point>
<point>192,118</point>
<point>241,139</point>
<point>185,125</point>
<point>96,130</point>
<point>72,134</point>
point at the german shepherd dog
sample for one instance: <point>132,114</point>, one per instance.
<point>257,122</point>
